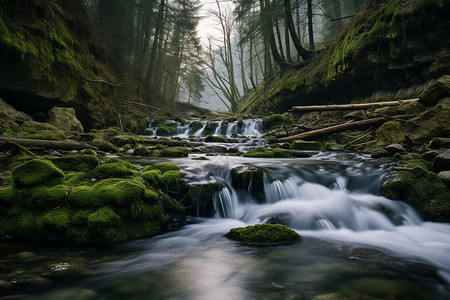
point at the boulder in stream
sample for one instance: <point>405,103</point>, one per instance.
<point>264,234</point>
<point>249,178</point>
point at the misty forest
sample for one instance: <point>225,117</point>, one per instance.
<point>225,149</point>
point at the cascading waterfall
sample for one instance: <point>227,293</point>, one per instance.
<point>250,127</point>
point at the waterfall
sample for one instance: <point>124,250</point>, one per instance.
<point>250,127</point>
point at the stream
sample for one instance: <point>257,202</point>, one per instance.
<point>356,243</point>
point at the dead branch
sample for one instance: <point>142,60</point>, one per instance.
<point>102,81</point>
<point>48,144</point>
<point>333,107</point>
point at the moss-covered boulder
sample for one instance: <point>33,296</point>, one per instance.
<point>306,145</point>
<point>36,171</point>
<point>172,181</point>
<point>48,197</point>
<point>216,139</point>
<point>166,129</point>
<point>106,192</point>
<point>57,220</point>
<point>163,167</point>
<point>274,121</point>
<point>427,194</point>
<point>103,217</point>
<point>391,132</point>
<point>282,153</point>
<point>64,118</point>
<point>40,131</point>
<point>104,145</point>
<point>142,151</point>
<point>264,234</point>
<point>153,177</point>
<point>260,152</point>
<point>435,91</point>
<point>75,162</point>
<point>194,127</point>
<point>249,178</point>
<point>112,170</point>
<point>199,200</point>
<point>174,152</point>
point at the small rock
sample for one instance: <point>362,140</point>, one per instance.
<point>5,287</point>
<point>129,152</point>
<point>442,162</point>
<point>395,148</point>
<point>445,176</point>
<point>55,153</point>
<point>25,254</point>
<point>431,155</point>
<point>440,142</point>
<point>379,153</point>
<point>74,152</point>
<point>436,91</point>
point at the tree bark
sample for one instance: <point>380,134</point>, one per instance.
<point>351,106</point>
<point>310,26</point>
<point>302,52</point>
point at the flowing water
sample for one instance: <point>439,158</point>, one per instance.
<point>356,243</point>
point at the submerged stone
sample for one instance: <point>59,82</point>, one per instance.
<point>264,234</point>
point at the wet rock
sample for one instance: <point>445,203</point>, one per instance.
<point>199,200</point>
<point>55,153</point>
<point>304,154</point>
<point>34,281</point>
<point>249,178</point>
<point>334,147</point>
<point>263,234</point>
<point>379,153</point>
<point>391,132</point>
<point>395,148</point>
<point>64,118</point>
<point>440,142</point>
<point>5,287</point>
<point>435,91</point>
<point>429,124</point>
<point>331,296</point>
<point>74,294</point>
<point>445,176</point>
<point>442,162</point>
<point>430,155</point>
<point>306,145</point>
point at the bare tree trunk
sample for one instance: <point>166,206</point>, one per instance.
<point>310,25</point>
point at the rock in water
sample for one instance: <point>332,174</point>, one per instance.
<point>264,234</point>
<point>379,153</point>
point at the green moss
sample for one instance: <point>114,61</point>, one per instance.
<point>142,151</point>
<point>41,131</point>
<point>306,145</point>
<point>174,152</point>
<point>427,194</point>
<point>151,212</point>
<point>150,196</point>
<point>170,204</point>
<point>104,145</point>
<point>111,170</point>
<point>8,195</point>
<point>108,191</point>
<point>142,229</point>
<point>48,197</point>
<point>36,171</point>
<point>55,220</point>
<point>103,217</point>
<point>153,177</point>
<point>194,127</point>
<point>172,181</point>
<point>123,139</point>
<point>76,162</point>
<point>158,120</point>
<point>80,218</point>
<point>282,153</point>
<point>166,129</point>
<point>76,178</point>
<point>126,164</point>
<point>266,154</point>
<point>210,128</point>
<point>263,233</point>
<point>391,132</point>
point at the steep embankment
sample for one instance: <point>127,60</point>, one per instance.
<point>49,56</point>
<point>391,47</point>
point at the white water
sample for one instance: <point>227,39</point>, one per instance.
<point>250,127</point>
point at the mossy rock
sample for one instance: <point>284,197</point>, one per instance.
<point>216,139</point>
<point>36,171</point>
<point>199,200</point>
<point>274,121</point>
<point>263,234</point>
<point>306,145</point>
<point>150,212</point>
<point>8,195</point>
<point>104,145</point>
<point>40,131</point>
<point>48,197</point>
<point>427,194</point>
<point>142,151</point>
<point>112,170</point>
<point>249,177</point>
<point>157,120</point>
<point>164,130</point>
<point>259,152</point>
<point>106,192</point>
<point>170,204</point>
<point>55,220</point>
<point>153,177</point>
<point>172,181</point>
<point>126,164</point>
<point>76,162</point>
<point>194,127</point>
<point>210,128</point>
<point>391,132</point>
<point>123,139</point>
<point>163,167</point>
<point>174,152</point>
<point>282,153</point>
<point>103,217</point>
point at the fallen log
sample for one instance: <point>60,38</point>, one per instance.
<point>340,128</point>
<point>48,144</point>
<point>350,106</point>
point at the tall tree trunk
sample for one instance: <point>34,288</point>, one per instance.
<point>303,53</point>
<point>310,25</point>
<point>153,52</point>
<point>287,42</point>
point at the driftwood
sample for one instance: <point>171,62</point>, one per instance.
<point>48,144</point>
<point>339,128</point>
<point>344,17</point>
<point>350,106</point>
<point>141,104</point>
